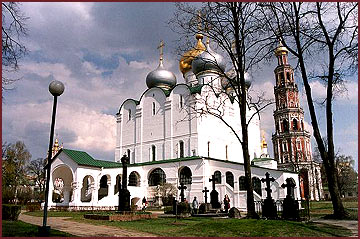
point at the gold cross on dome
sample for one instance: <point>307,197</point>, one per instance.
<point>199,21</point>
<point>161,46</point>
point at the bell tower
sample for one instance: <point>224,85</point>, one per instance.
<point>291,141</point>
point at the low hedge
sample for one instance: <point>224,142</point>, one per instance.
<point>33,206</point>
<point>183,207</point>
<point>10,212</point>
<point>168,210</point>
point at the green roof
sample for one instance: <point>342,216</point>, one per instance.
<point>196,89</point>
<point>83,158</point>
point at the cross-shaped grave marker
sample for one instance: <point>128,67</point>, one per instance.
<point>289,186</point>
<point>205,191</point>
<point>268,180</point>
<point>213,180</point>
<point>182,187</point>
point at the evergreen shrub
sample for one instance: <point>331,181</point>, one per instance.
<point>183,207</point>
<point>10,212</point>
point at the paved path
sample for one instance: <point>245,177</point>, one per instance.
<point>83,229</point>
<point>349,224</point>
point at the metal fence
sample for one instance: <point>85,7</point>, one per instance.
<point>304,208</point>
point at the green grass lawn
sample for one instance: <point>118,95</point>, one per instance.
<point>323,208</point>
<point>22,229</point>
<point>209,227</point>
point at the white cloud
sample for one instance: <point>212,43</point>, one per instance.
<point>350,95</point>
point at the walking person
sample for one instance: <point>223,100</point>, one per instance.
<point>226,203</point>
<point>195,205</point>
<point>144,204</point>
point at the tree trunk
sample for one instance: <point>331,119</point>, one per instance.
<point>242,103</point>
<point>326,156</point>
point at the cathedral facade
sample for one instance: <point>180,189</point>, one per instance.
<point>168,139</point>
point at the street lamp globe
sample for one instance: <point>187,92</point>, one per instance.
<point>56,88</point>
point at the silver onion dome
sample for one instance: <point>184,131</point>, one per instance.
<point>160,77</point>
<point>208,61</point>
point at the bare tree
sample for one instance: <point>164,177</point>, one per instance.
<point>36,168</point>
<point>311,30</point>
<point>13,28</point>
<point>237,29</point>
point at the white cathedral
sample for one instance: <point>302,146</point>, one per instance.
<point>168,140</point>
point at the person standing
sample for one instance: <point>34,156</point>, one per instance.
<point>226,203</point>
<point>144,204</point>
<point>195,205</point>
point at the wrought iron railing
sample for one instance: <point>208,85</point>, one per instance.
<point>304,208</point>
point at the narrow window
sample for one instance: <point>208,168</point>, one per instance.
<point>295,124</point>
<point>129,114</point>
<point>226,152</point>
<point>181,103</point>
<point>181,149</point>
<point>153,108</point>
<point>129,154</point>
<point>284,146</point>
<point>153,152</point>
<point>208,144</point>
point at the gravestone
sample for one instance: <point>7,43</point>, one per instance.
<point>290,205</point>
<point>182,187</point>
<point>269,206</point>
<point>205,191</point>
<point>124,194</point>
<point>234,213</point>
<point>214,195</point>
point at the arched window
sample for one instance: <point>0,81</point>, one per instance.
<point>153,108</point>
<point>230,178</point>
<point>118,183</point>
<point>288,76</point>
<point>242,183</point>
<point>129,154</point>
<point>295,124</point>
<point>181,149</point>
<point>185,175</point>
<point>157,177</point>
<point>217,175</point>
<point>153,153</point>
<point>285,125</point>
<point>103,190</point>
<point>86,190</point>
<point>134,179</point>
<point>282,78</point>
<point>256,185</point>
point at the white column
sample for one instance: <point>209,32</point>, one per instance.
<point>94,194</point>
<point>110,188</point>
<point>76,195</point>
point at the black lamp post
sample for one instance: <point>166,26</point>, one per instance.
<point>56,88</point>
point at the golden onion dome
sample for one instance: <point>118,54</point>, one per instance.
<point>188,57</point>
<point>281,50</point>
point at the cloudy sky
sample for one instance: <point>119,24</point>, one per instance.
<point>102,52</point>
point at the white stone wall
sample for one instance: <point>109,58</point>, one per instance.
<point>201,170</point>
